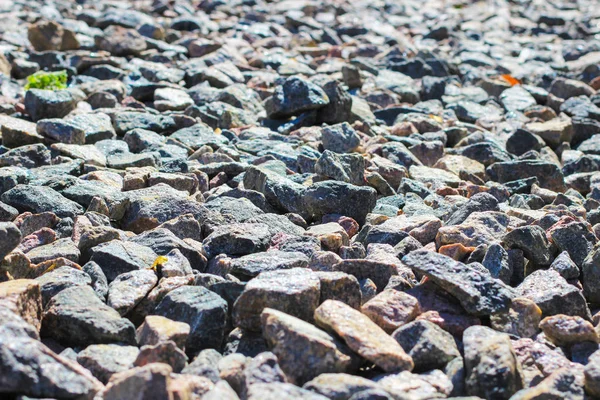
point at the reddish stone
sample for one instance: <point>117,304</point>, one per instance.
<point>456,251</point>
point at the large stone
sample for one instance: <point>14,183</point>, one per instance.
<point>105,360</point>
<point>128,289</point>
<point>62,131</point>
<point>592,375</point>
<point>253,264</point>
<point>333,197</point>
<point>59,279</point>
<point>553,294</point>
<point>77,317</point>
<point>304,351</point>
<point>120,41</point>
<point>49,103</point>
<point>340,286</point>
<point>363,336</point>
<point>533,241</point>
<point>576,238</point>
<point>564,330</point>
<point>118,257</point>
<point>294,97</point>
<point>564,383</point>
<point>152,381</point>
<point>237,239</point>
<point>431,385</point>
<point>554,132</point>
<point>339,386</point>
<point>478,293</point>
<point>157,329</point>
<point>590,269</point>
<point>30,368</point>
<point>10,237</point>
<point>293,291</point>
<point>17,132</point>
<point>340,138</point>
<point>549,175</point>
<point>204,311</point>
<point>391,309</point>
<point>429,345</point>
<point>521,319</point>
<point>492,370</point>
<point>45,35</point>
<point>39,199</point>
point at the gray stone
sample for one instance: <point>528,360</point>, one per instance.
<point>104,360</point>
<point>293,291</point>
<point>204,311</point>
<point>304,351</point>
<point>491,366</point>
<point>553,294</point>
<point>339,386</point>
<point>429,345</point>
<point>49,103</point>
<point>565,266</point>
<point>30,368</point>
<point>38,199</point>
<point>294,97</point>
<point>340,138</point>
<point>251,265</point>
<point>117,257</point>
<point>478,293</point>
<point>129,288</point>
<point>10,237</point>
<point>55,281</point>
<point>77,317</point>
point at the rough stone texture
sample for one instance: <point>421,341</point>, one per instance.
<point>149,381</point>
<point>47,375</point>
<point>23,297</point>
<point>157,329</point>
<point>478,293</point>
<point>105,360</point>
<point>304,351</point>
<point>521,319</point>
<point>391,309</point>
<point>429,345</point>
<point>553,295</point>
<point>565,330</point>
<point>422,176</point>
<point>128,289</point>
<point>76,316</point>
<point>363,336</point>
<point>295,292</point>
<point>491,366</point>
<point>204,311</point>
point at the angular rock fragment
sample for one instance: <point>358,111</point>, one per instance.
<point>294,291</point>
<point>363,336</point>
<point>478,293</point>
<point>31,368</point>
<point>77,317</point>
<point>204,311</point>
<point>304,351</point>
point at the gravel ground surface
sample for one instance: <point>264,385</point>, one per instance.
<point>300,199</point>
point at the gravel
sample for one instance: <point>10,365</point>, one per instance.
<point>301,199</point>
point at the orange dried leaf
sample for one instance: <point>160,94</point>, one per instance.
<point>510,79</point>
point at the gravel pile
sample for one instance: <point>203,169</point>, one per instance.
<point>299,199</point>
